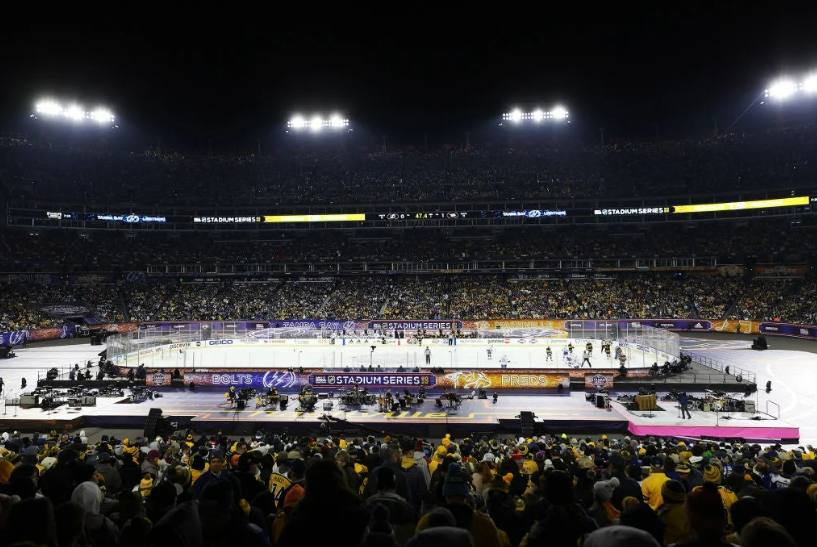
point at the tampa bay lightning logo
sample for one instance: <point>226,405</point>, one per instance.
<point>279,379</point>
<point>132,218</point>
<point>17,337</point>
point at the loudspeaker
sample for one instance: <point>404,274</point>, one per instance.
<point>600,403</point>
<point>528,424</point>
<point>152,422</point>
<point>242,404</point>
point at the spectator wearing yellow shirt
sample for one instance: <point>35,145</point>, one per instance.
<point>651,486</point>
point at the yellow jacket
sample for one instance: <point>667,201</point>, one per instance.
<point>651,489</point>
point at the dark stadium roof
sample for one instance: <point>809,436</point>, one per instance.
<point>634,72</point>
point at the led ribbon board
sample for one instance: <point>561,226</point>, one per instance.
<point>742,205</point>
<point>313,218</point>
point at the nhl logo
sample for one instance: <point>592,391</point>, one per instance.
<point>599,381</point>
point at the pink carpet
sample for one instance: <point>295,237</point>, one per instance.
<point>749,433</point>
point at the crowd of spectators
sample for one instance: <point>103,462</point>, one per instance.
<point>767,240</point>
<point>93,174</point>
<point>418,297</point>
<point>62,490</point>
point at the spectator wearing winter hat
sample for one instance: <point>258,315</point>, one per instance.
<point>651,486</point>
<point>712,475</point>
<point>671,512</point>
<point>603,510</point>
<point>457,493</point>
<point>151,464</point>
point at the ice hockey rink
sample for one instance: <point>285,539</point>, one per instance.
<point>311,354</point>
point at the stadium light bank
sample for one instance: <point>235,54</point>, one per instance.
<point>519,116</point>
<point>50,109</point>
<point>317,123</point>
<point>789,88</point>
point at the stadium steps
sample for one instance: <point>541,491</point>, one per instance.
<point>123,305</point>
<point>325,302</point>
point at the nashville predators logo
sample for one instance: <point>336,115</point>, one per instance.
<point>470,380</point>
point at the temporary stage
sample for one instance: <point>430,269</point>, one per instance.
<point>206,409</point>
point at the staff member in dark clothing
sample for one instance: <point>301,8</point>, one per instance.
<point>683,400</point>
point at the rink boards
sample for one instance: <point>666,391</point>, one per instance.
<point>352,353</point>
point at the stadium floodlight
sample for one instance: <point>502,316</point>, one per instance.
<point>337,122</point>
<point>102,116</point>
<point>52,109</point>
<point>297,122</point>
<point>559,113</point>
<point>810,84</point>
<point>518,116</point>
<point>317,122</point>
<point>48,108</point>
<point>783,89</point>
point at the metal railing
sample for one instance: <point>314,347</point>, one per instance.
<point>778,409</point>
<point>738,373</point>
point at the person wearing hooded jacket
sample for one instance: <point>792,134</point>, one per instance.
<point>106,467</point>
<point>99,529</point>
<point>415,478</point>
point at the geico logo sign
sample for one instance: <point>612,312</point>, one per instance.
<point>219,342</point>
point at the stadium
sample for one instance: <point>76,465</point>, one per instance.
<point>532,317</point>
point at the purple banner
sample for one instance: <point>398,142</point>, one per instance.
<point>19,337</point>
<point>242,326</point>
<point>784,329</point>
<point>226,378</point>
<point>44,278</point>
<point>372,379</point>
<point>321,325</point>
<point>415,325</point>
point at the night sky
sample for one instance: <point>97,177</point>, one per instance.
<point>406,72</point>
